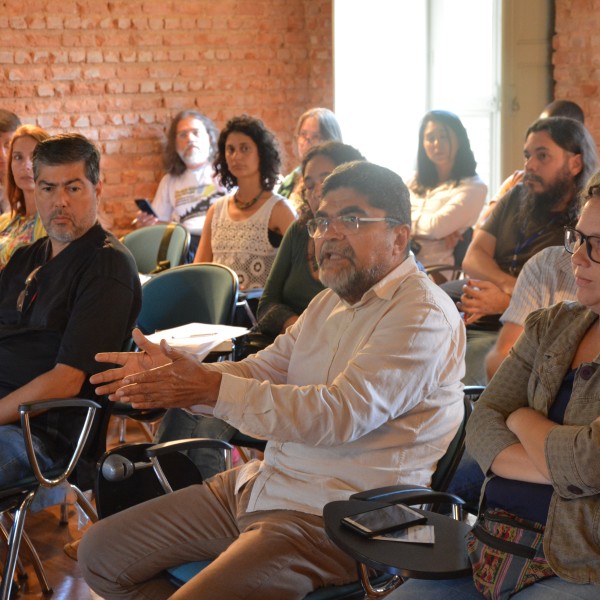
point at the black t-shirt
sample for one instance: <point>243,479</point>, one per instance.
<point>504,223</point>
<point>83,301</point>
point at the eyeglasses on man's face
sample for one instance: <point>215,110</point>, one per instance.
<point>574,239</point>
<point>346,224</point>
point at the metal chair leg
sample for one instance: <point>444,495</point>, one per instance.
<point>381,590</point>
<point>14,543</point>
<point>85,505</point>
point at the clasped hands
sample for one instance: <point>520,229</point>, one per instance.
<point>158,376</point>
<point>481,298</point>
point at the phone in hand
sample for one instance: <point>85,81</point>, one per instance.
<point>383,520</point>
<point>145,206</point>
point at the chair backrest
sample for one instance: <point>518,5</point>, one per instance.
<point>447,465</point>
<point>461,248</point>
<point>197,293</point>
<point>144,244</point>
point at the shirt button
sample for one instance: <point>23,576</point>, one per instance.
<point>586,372</point>
<point>574,490</point>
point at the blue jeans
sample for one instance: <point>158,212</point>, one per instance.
<point>467,480</point>
<point>178,424</point>
<point>552,588</point>
<point>14,464</point>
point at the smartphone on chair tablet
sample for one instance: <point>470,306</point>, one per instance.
<point>393,517</point>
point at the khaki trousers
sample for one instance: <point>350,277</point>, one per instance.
<point>264,555</point>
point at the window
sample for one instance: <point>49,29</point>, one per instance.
<point>397,59</point>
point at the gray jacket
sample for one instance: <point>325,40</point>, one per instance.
<point>531,376</point>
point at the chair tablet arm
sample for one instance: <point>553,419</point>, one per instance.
<point>252,294</point>
<point>177,445</point>
<point>387,493</point>
<point>31,408</point>
<point>407,494</point>
<point>39,405</point>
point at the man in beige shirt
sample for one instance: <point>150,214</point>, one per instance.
<point>351,397</point>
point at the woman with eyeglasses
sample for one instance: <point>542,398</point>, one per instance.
<point>244,229</point>
<point>22,224</point>
<point>447,195</point>
<point>314,127</point>
<point>294,278</point>
<point>535,432</point>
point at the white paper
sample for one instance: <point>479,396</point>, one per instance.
<point>198,338</point>
<point>418,534</point>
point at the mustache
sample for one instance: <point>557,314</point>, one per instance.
<point>332,247</point>
<point>530,177</point>
<point>59,212</point>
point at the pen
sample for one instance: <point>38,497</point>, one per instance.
<point>193,335</point>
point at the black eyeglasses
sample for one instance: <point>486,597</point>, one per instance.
<point>29,293</point>
<point>347,224</point>
<point>574,239</point>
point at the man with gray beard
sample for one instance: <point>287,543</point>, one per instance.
<point>351,397</point>
<point>560,157</point>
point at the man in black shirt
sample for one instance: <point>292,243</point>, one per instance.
<point>62,299</point>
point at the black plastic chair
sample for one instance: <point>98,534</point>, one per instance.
<point>77,470</point>
<point>197,293</point>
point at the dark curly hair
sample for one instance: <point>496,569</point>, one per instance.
<point>426,177</point>
<point>173,163</point>
<point>268,151</point>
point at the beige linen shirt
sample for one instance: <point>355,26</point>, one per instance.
<point>531,376</point>
<point>351,397</point>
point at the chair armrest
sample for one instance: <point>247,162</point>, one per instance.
<point>407,494</point>
<point>178,445</point>
<point>384,494</point>
<point>31,409</point>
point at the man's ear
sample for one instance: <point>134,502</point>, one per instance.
<point>98,190</point>
<point>402,240</point>
<point>575,164</point>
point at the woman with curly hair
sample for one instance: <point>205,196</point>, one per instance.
<point>21,225</point>
<point>244,229</point>
<point>446,193</point>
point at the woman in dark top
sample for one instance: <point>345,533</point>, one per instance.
<point>294,280</point>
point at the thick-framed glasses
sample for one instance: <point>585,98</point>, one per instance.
<point>347,224</point>
<point>574,239</point>
<point>29,293</point>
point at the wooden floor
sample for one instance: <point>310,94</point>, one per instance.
<point>49,536</point>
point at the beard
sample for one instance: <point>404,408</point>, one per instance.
<point>192,156</point>
<point>538,208</point>
<point>350,283</point>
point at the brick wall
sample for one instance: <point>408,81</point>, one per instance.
<point>117,71</point>
<point>576,57</point>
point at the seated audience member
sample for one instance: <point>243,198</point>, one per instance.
<point>557,108</point>
<point>314,127</point>
<point>546,278</point>
<point>560,156</point>
<point>22,225</point>
<point>243,230</point>
<point>9,122</point>
<point>189,188</point>
<point>350,397</point>
<point>62,298</point>
<point>536,434</point>
<point>294,279</point>
<point>447,195</point>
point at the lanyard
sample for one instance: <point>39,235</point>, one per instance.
<point>523,244</point>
